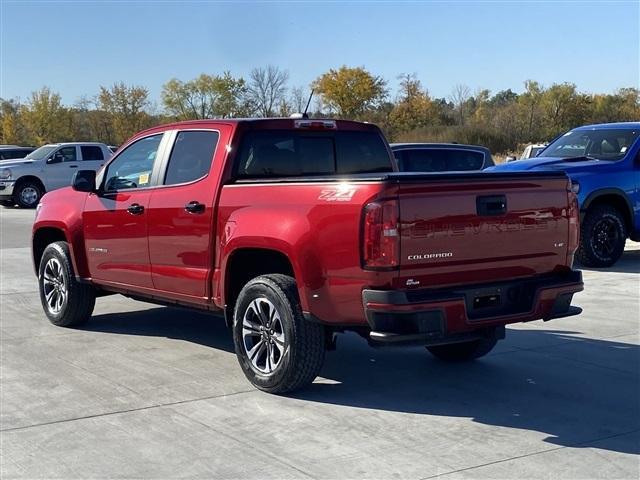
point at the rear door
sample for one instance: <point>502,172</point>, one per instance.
<point>92,157</point>
<point>181,212</point>
<point>115,220</point>
<point>482,227</point>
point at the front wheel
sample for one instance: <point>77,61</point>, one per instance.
<point>461,352</point>
<point>602,237</point>
<point>278,349</point>
<point>28,194</point>
<point>66,301</point>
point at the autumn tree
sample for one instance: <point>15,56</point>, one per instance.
<point>207,96</point>
<point>350,91</point>
<point>413,108</point>
<point>127,106</point>
<point>46,119</point>
<point>12,128</point>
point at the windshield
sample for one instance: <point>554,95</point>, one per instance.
<point>604,144</point>
<point>40,153</point>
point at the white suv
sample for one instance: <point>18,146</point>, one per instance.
<point>48,168</point>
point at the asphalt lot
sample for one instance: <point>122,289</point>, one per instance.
<point>148,391</point>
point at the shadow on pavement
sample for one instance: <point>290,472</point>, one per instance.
<point>569,388</point>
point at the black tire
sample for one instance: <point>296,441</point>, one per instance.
<point>463,352</point>
<point>27,194</point>
<point>602,237</point>
<point>299,358</point>
<point>77,305</point>
<point>7,203</point>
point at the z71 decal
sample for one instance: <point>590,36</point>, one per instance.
<point>337,194</point>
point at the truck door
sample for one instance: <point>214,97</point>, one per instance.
<point>115,219</point>
<point>60,167</point>
<point>181,213</point>
<point>92,157</point>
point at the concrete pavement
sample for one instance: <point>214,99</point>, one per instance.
<point>154,392</point>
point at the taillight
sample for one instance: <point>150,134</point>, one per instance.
<point>574,221</point>
<point>381,236</point>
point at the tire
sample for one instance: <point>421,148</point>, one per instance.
<point>602,237</point>
<point>7,203</point>
<point>463,352</point>
<point>268,318</point>
<point>66,302</point>
<point>28,194</point>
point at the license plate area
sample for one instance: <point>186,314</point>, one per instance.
<point>486,301</point>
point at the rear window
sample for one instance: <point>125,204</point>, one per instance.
<point>290,153</point>
<point>91,152</point>
<point>439,160</point>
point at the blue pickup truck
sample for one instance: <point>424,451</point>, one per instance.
<point>603,162</point>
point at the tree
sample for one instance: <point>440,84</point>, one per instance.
<point>350,91</point>
<point>207,96</point>
<point>459,97</point>
<point>12,128</point>
<point>530,102</point>
<point>127,107</point>
<point>46,119</point>
<point>413,108</point>
<point>266,90</point>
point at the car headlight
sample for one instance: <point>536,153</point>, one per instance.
<point>575,186</point>
<point>5,174</point>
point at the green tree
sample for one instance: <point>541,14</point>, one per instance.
<point>46,119</point>
<point>413,108</point>
<point>127,107</point>
<point>350,91</point>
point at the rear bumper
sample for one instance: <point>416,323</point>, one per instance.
<point>431,316</point>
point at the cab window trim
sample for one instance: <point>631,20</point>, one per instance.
<point>162,172</point>
<point>154,172</point>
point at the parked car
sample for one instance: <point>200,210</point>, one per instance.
<point>532,151</point>
<point>299,229</point>
<point>603,162</point>
<point>13,152</point>
<point>48,168</point>
<point>440,157</point>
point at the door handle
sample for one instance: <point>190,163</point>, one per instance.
<point>73,166</point>
<point>194,207</point>
<point>135,209</point>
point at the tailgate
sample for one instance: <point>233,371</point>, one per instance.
<point>482,227</point>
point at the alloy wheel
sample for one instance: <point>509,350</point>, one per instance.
<point>54,285</point>
<point>263,336</point>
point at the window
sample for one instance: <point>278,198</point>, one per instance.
<point>191,156</point>
<point>66,154</point>
<point>13,154</point>
<point>441,160</point>
<point>602,144</point>
<point>91,152</point>
<point>290,153</point>
<point>133,167</point>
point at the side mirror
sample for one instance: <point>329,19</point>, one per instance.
<point>56,158</point>
<point>84,181</point>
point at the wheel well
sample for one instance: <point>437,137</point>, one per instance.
<point>31,178</point>
<point>249,263</point>
<point>41,239</point>
<point>617,202</point>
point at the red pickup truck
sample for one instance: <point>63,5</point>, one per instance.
<point>298,229</point>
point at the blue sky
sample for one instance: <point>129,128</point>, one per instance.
<point>75,46</point>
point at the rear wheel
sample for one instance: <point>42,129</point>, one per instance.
<point>602,237</point>
<point>461,352</point>
<point>28,194</point>
<point>65,301</point>
<point>278,349</point>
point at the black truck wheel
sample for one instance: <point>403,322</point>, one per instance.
<point>66,301</point>
<point>28,194</point>
<point>461,352</point>
<point>602,237</point>
<point>279,351</point>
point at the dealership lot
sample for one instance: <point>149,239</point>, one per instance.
<point>149,391</point>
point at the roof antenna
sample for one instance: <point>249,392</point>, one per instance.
<point>304,114</point>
